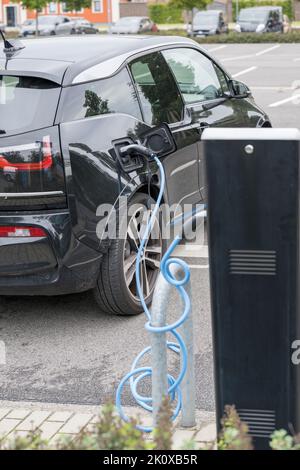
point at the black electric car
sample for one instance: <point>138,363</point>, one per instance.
<point>67,106</point>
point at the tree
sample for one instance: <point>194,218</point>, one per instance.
<point>37,6</point>
<point>76,5</point>
<point>94,104</point>
<point>189,5</point>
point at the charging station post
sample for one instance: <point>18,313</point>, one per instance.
<point>253,237</point>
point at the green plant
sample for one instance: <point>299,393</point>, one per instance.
<point>162,434</point>
<point>37,6</point>
<point>251,38</point>
<point>111,433</point>
<point>32,441</point>
<point>189,5</point>
<point>281,440</point>
<point>234,434</point>
<point>76,5</point>
<point>165,13</point>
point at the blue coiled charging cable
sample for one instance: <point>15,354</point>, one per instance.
<point>137,374</point>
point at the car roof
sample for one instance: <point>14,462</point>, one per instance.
<point>74,59</point>
<point>266,8</point>
<point>209,12</point>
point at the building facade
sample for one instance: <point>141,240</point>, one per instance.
<point>101,11</point>
<point>135,7</point>
<point>13,13</point>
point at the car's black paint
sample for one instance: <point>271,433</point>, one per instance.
<point>70,258</point>
<point>72,265</point>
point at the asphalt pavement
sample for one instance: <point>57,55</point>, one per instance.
<point>64,350</point>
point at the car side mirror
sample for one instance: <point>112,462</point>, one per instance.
<point>239,89</point>
<point>160,140</point>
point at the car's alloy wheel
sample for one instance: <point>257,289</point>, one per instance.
<point>116,291</point>
<point>150,260</point>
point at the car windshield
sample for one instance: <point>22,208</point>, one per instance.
<point>253,15</point>
<point>47,19</point>
<point>204,18</point>
<point>127,21</point>
<point>26,103</point>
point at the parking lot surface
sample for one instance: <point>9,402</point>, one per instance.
<point>63,350</point>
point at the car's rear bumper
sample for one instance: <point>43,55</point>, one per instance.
<point>57,264</point>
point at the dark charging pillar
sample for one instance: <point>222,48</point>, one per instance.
<point>253,235</point>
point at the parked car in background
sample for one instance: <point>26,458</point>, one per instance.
<point>47,25</point>
<point>133,25</point>
<point>76,25</point>
<point>68,105</point>
<point>208,23</point>
<point>265,19</point>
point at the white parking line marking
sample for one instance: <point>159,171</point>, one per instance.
<point>191,251</point>
<point>273,88</point>
<point>217,48</point>
<point>242,72</point>
<point>241,57</point>
<point>269,49</point>
<point>248,56</point>
<point>286,100</point>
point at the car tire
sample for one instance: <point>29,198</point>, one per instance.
<point>115,292</point>
<point>53,33</point>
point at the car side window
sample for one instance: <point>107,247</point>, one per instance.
<point>115,94</point>
<point>159,96</point>
<point>222,79</point>
<point>195,74</point>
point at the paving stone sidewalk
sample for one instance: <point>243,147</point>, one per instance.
<point>56,420</point>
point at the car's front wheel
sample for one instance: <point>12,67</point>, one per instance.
<point>116,291</point>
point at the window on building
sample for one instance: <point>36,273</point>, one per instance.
<point>52,7</point>
<point>97,6</point>
<point>63,7</point>
<point>112,95</point>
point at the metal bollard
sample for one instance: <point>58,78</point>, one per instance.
<point>188,413</point>
<point>159,353</point>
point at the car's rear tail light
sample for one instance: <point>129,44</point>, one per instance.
<point>30,157</point>
<point>16,231</point>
